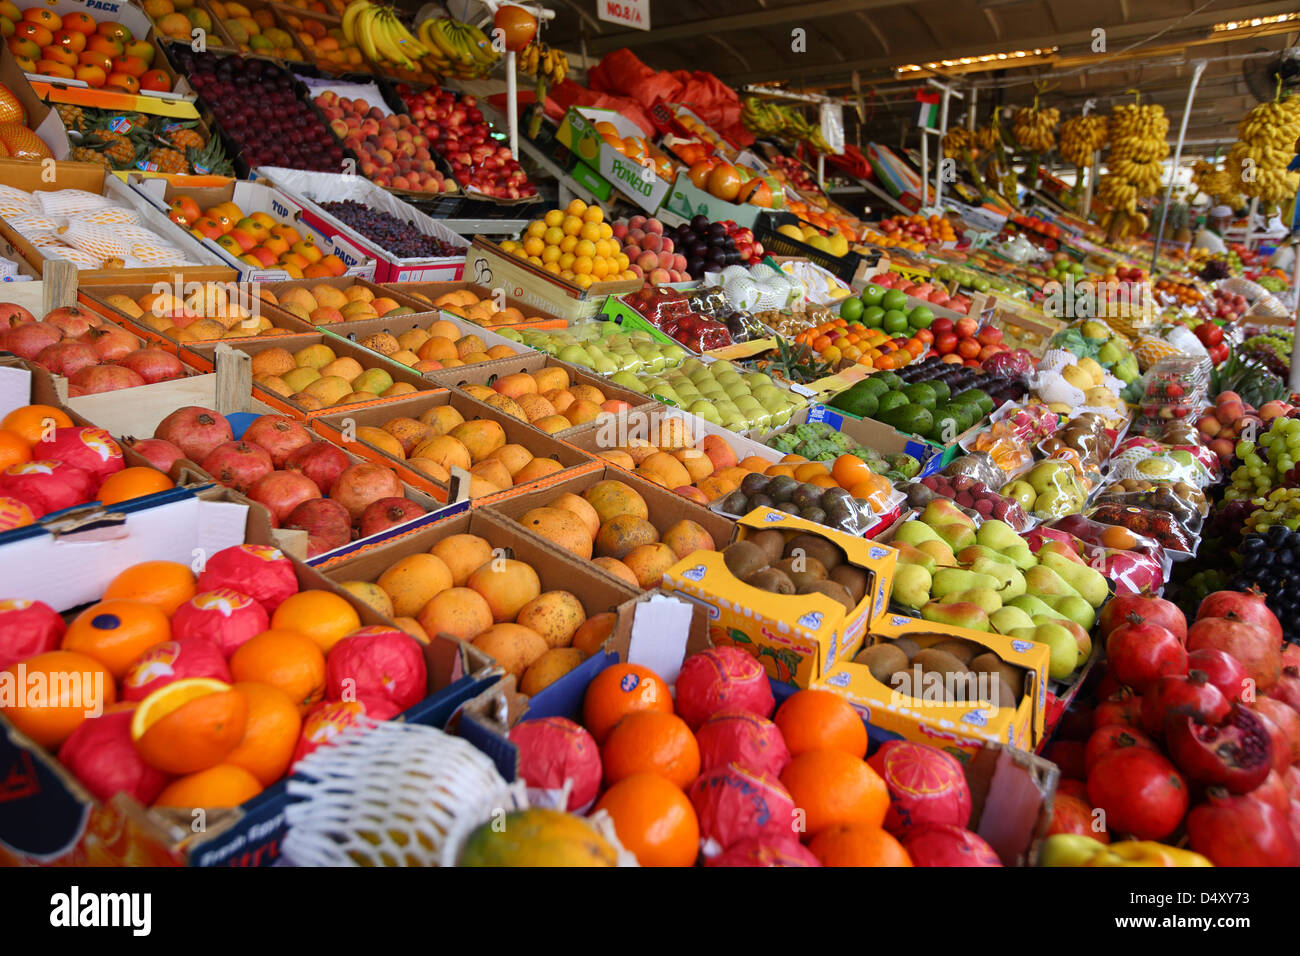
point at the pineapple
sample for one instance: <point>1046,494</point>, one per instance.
<point>74,117</point>
<point>118,147</point>
<point>184,138</point>
<point>82,154</point>
<point>168,160</point>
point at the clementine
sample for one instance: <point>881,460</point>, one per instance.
<point>14,449</point>
<point>650,741</point>
<point>654,820</point>
<point>189,725</point>
<point>621,690</point>
<point>116,632</point>
<point>35,422</point>
<point>224,785</point>
<point>286,660</point>
<point>858,844</point>
<point>131,483</point>
<point>270,733</point>
<point>57,690</point>
<point>833,787</point>
<point>164,584</point>
<point>821,720</point>
<point>320,615</point>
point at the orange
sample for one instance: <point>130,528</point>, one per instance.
<point>286,660</point>
<point>164,584</point>
<point>824,481</point>
<point>115,633</point>
<point>48,711</point>
<point>810,471</point>
<point>133,483</point>
<point>224,785</point>
<point>653,819</point>
<point>189,725</point>
<point>35,422</point>
<point>850,470</point>
<point>857,844</point>
<point>324,617</point>
<point>650,741</point>
<point>821,720</point>
<point>1121,539</point>
<point>774,471</point>
<point>621,690</point>
<point>270,734</point>
<point>14,449</point>
<point>833,787</point>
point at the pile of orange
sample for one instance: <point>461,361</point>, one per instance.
<point>847,471</point>
<point>574,243</point>
<point>872,348</point>
<point>482,311</point>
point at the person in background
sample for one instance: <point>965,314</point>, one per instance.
<point>1210,236</point>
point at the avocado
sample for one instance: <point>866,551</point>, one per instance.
<point>889,401</point>
<point>920,393</point>
<point>892,381</point>
<point>863,404</point>
<point>909,418</point>
<point>941,391</point>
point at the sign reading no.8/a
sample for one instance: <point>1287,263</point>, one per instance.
<point>630,13</point>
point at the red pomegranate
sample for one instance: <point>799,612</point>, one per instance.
<point>1140,653</point>
<point>1274,792</point>
<point>1152,610</point>
<point>1223,670</point>
<point>327,523</point>
<point>98,379</point>
<point>72,321</point>
<point>364,483</point>
<point>67,358</point>
<point>237,464</point>
<point>1113,737</point>
<point>1241,831</point>
<point>278,435</point>
<point>281,492</point>
<point>153,365</point>
<point>1069,756</point>
<point>1191,694</point>
<point>1291,654</point>
<point>1284,719</point>
<point>1140,791</point>
<point>1073,815</point>
<point>28,341</point>
<point>161,454</point>
<point>11,313</point>
<point>1245,606</point>
<point>1236,753</point>
<point>321,462</point>
<point>388,513</point>
<point>87,447</point>
<point>1122,707</point>
<point>194,430</point>
<point>1249,643</point>
<point>1287,688</point>
<point>111,343</point>
<point>1281,749</point>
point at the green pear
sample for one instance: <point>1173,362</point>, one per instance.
<point>956,535</point>
<point>969,616</point>
<point>1046,476</point>
<point>911,586</point>
<point>1045,582</point>
<point>1021,556</point>
<point>1081,637</point>
<point>941,511</point>
<point>1034,607</point>
<point>997,535</point>
<point>1009,618</point>
<point>984,598</point>
<point>969,556</point>
<point>1011,581</point>
<point>1074,608</point>
<point>939,550</point>
<point>910,555</point>
<point>914,532</point>
<point>951,580</point>
<point>1061,644</point>
<point>1089,582</point>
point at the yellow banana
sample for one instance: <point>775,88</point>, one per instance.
<point>385,42</point>
<point>350,19</point>
<point>401,36</point>
<point>363,27</point>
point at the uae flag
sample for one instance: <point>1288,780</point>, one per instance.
<point>927,109</point>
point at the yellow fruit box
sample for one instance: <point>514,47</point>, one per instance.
<point>798,638</point>
<point>932,719</point>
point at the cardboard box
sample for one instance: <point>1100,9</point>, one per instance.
<point>534,318</point>
<point>361,329</point>
<point>159,192</point>
<point>487,265</point>
<point>310,189</point>
<point>688,201</point>
<point>33,177</point>
<point>42,119</point>
<point>883,438</point>
<point>339,427</point>
<point>928,718</point>
<point>640,424</point>
<point>799,638</point>
<point>638,183</point>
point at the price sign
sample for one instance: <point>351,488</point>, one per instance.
<point>630,13</point>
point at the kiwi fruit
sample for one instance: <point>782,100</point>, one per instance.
<point>803,571</point>
<point>813,546</point>
<point>771,579</point>
<point>906,645</point>
<point>744,558</point>
<point>771,541</point>
<point>935,661</point>
<point>882,660</point>
<point>990,663</point>
<point>832,590</point>
<point>854,579</point>
<point>962,650</point>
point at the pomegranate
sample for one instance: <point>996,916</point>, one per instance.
<point>1223,670</point>
<point>1112,737</point>
<point>1250,644</point>
<point>1178,694</point>
<point>1236,753</point>
<point>66,358</point>
<point>1286,722</point>
<point>1287,688</point>
<point>194,430</point>
<point>278,435</point>
<point>1245,606</point>
<point>1140,791</point>
<point>1072,815</point>
<point>153,365</point>
<point>27,341</point>
<point>111,343</point>
<point>237,464</point>
<point>364,483</point>
<point>46,486</point>
<point>388,513</point>
<point>72,321</point>
<point>1274,792</point>
<point>321,462</point>
<point>327,523</point>
<point>11,313</point>
<point>281,492</point>
<point>87,447</point>
<point>1140,653</point>
<point>1152,610</point>
<point>102,378</point>
<point>1241,831</point>
<point>1122,707</point>
<point>1291,654</point>
<point>161,454</point>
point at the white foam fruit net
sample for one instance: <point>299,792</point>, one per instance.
<point>70,202</point>
<point>11,197</point>
<point>29,224</point>
<point>103,241</point>
<point>392,794</point>
<point>112,216</point>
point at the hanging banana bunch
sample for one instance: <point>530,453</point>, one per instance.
<point>1081,137</point>
<point>1216,182</point>
<point>1133,167</point>
<point>548,67</point>
<point>763,118</point>
<point>958,142</point>
<point>1265,145</point>
<point>1035,129</point>
<point>456,49</point>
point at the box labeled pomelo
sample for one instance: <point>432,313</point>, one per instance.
<point>586,131</point>
<point>799,638</point>
<point>949,687</point>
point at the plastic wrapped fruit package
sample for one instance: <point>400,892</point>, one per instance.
<point>1189,495</point>
<point>1086,476</point>
<point>1131,571</point>
<point>1171,390</point>
<point>1162,464</point>
<point>1182,432</point>
<point>973,497</point>
<point>1063,495</point>
<point>1098,534</point>
<point>1008,452</point>
<point>976,466</point>
<point>1184,512</point>
<point>1148,522</point>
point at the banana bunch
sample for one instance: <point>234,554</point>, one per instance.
<point>457,49</point>
<point>1217,182</point>
<point>1265,144</point>
<point>1137,145</point>
<point>1081,137</point>
<point>1119,224</point>
<point>771,119</point>
<point>986,138</point>
<point>957,141</point>
<point>1034,129</point>
<point>541,60</point>
<point>382,37</point>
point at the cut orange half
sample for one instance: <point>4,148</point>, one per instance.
<point>189,725</point>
